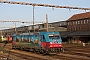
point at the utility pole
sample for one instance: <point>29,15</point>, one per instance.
<point>15,26</point>
<point>1,31</point>
<point>33,19</point>
<point>46,22</point>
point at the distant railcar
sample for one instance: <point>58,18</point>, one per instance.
<point>42,42</point>
<point>9,38</point>
<point>5,38</point>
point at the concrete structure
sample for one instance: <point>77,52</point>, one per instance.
<point>55,26</point>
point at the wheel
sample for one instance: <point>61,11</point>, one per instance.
<point>41,51</point>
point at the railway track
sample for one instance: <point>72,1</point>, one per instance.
<point>30,56</point>
<point>74,52</point>
<point>69,55</point>
<point>33,56</point>
<point>24,55</point>
<point>87,54</point>
<point>3,57</point>
<point>71,52</point>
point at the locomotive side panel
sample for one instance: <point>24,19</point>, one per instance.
<point>26,41</point>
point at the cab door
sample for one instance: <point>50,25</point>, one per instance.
<point>43,41</point>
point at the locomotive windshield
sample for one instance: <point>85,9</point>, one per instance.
<point>53,36</point>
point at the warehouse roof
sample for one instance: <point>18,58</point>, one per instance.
<point>79,16</point>
<point>80,33</point>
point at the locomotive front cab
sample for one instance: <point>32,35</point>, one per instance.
<point>51,41</point>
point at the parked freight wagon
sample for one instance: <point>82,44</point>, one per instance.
<point>5,38</point>
<point>42,42</point>
<point>2,38</point>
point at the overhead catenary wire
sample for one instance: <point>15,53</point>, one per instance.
<point>45,5</point>
<point>19,21</point>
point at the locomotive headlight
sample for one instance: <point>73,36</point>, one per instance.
<point>59,45</point>
<point>51,45</point>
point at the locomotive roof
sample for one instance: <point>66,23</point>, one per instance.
<point>29,33</point>
<point>34,33</point>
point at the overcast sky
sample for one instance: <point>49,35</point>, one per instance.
<point>24,13</point>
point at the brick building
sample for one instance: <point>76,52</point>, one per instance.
<point>79,26</point>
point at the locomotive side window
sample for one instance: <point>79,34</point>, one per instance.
<point>43,37</point>
<point>54,37</point>
<point>14,38</point>
<point>57,37</point>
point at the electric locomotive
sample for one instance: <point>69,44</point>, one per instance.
<point>42,42</point>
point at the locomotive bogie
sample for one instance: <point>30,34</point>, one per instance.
<point>55,50</point>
